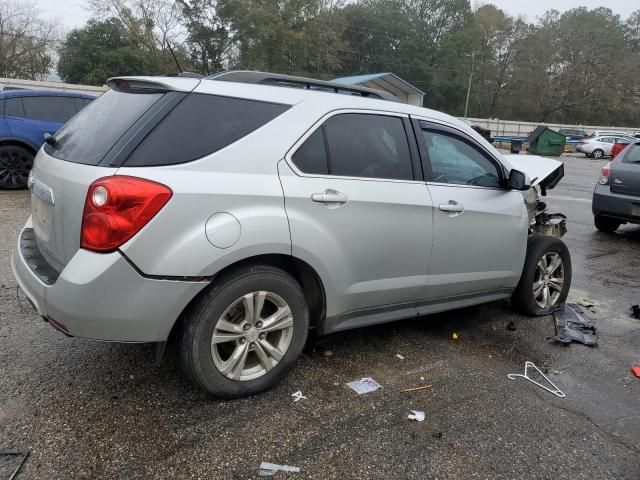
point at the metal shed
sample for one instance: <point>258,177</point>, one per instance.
<point>389,82</point>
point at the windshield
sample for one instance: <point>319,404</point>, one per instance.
<point>90,134</point>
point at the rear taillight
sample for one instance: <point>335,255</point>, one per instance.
<point>116,208</point>
<point>604,174</point>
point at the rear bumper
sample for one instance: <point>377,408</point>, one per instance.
<point>101,296</point>
<point>608,204</point>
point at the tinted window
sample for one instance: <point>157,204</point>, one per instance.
<point>370,146</point>
<point>455,161</point>
<point>97,127</point>
<point>200,125</point>
<point>56,109</point>
<point>311,157</point>
<point>13,107</point>
<point>633,154</point>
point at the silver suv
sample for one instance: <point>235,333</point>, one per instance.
<point>235,215</point>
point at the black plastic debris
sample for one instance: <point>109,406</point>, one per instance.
<point>511,326</point>
<point>573,325</point>
<point>635,311</point>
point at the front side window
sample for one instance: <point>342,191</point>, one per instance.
<point>54,109</point>
<point>453,160</point>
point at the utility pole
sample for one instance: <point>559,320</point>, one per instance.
<point>466,105</point>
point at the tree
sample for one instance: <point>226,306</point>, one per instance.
<point>100,50</point>
<point>26,41</point>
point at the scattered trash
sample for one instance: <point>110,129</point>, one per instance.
<point>436,434</point>
<point>511,326</point>
<point>415,389</point>
<point>455,336</point>
<point>416,415</point>
<point>557,392</point>
<point>298,396</point>
<point>587,302</point>
<point>270,469</point>
<point>17,458</point>
<point>399,356</point>
<point>635,311</point>
<point>573,325</point>
<point>364,385</point>
<point>636,371</point>
<point>556,372</point>
<point>328,353</point>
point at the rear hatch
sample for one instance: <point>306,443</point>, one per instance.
<point>92,145</point>
<point>625,171</point>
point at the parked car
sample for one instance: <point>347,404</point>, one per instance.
<point>25,116</point>
<point>573,134</point>
<point>237,214</point>
<point>616,197</point>
<point>602,133</point>
<point>599,147</point>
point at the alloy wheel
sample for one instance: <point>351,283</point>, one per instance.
<point>598,154</point>
<point>252,336</point>
<point>15,165</point>
<point>548,280</point>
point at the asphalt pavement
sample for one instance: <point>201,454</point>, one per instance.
<point>85,409</point>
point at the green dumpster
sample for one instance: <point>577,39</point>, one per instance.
<point>544,141</point>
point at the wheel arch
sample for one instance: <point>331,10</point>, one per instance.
<point>5,141</point>
<point>303,272</point>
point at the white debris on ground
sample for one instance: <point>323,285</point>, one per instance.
<point>364,385</point>
<point>416,415</point>
<point>270,469</point>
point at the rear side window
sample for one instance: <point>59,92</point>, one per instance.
<point>368,146</point>
<point>54,109</point>
<point>13,107</point>
<point>311,157</point>
<point>633,154</point>
<point>90,135</point>
<point>200,125</point>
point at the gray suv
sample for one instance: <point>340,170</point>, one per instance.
<point>235,215</point>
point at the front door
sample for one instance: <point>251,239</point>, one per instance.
<point>358,210</point>
<point>480,228</point>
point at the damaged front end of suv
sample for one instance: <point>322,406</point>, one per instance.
<point>544,174</point>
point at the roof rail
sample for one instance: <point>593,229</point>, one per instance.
<point>275,79</point>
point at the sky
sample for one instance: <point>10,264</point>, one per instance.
<point>72,13</point>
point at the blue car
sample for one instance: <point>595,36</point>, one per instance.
<point>25,117</point>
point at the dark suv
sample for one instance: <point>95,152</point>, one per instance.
<point>25,116</point>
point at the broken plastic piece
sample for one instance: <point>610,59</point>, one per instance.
<point>416,415</point>
<point>270,469</point>
<point>399,356</point>
<point>364,385</point>
<point>636,371</point>
<point>556,391</point>
<point>635,311</point>
<point>298,396</point>
<point>573,325</point>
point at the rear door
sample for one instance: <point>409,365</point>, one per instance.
<point>358,209</point>
<point>480,228</point>
<point>625,173</point>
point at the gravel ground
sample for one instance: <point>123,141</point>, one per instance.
<point>97,410</point>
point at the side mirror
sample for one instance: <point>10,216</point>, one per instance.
<point>518,181</point>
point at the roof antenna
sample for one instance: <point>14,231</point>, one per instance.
<point>174,56</point>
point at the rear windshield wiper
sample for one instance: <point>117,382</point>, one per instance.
<point>50,139</point>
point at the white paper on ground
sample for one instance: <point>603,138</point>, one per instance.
<point>298,396</point>
<point>416,415</point>
<point>364,385</point>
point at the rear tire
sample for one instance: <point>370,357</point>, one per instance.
<point>15,165</point>
<point>546,277</point>
<point>606,224</point>
<point>221,346</point>
<point>597,154</point>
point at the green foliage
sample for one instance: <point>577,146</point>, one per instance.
<point>100,50</point>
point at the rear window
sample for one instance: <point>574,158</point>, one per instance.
<point>200,125</point>
<point>96,128</point>
<point>633,154</point>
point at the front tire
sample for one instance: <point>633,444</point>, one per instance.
<point>245,333</point>
<point>546,277</point>
<point>606,224</point>
<point>15,165</point>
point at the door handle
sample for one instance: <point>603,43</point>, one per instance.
<point>329,196</point>
<point>453,207</point>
